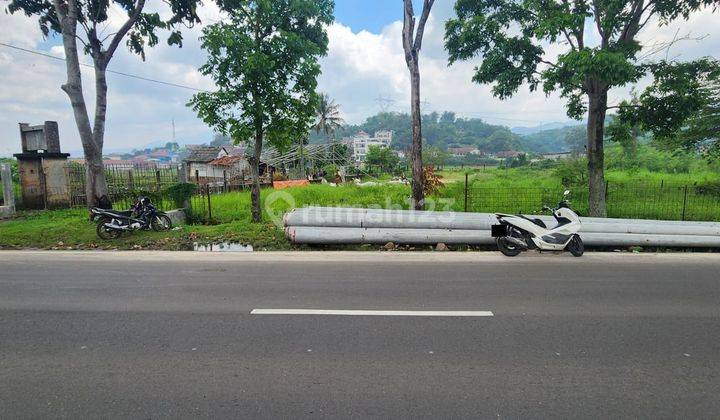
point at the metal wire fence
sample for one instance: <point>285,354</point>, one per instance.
<point>127,183</point>
<point>633,201</point>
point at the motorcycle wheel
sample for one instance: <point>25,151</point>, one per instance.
<point>576,246</point>
<point>104,232</point>
<point>160,223</point>
<point>506,248</point>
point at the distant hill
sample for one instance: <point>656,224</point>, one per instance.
<point>547,141</point>
<point>524,131</point>
<point>444,130</point>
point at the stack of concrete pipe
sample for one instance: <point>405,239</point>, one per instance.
<point>330,225</point>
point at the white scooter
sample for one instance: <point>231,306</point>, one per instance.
<point>517,233</point>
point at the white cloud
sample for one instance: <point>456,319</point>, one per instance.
<point>360,67</point>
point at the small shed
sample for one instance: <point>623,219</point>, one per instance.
<point>232,168</point>
<point>198,164</point>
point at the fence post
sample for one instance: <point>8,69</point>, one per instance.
<point>225,184</point>
<point>7,186</point>
<point>684,202</point>
<point>207,190</point>
<point>182,173</point>
<point>607,189</point>
<point>197,176</point>
<point>131,181</point>
<point>466,192</point>
<point>157,178</point>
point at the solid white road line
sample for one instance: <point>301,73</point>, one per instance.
<point>367,312</point>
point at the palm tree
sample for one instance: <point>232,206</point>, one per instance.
<point>327,114</point>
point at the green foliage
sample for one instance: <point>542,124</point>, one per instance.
<point>681,108</point>
<point>517,162</point>
<point>382,157</point>
<point>264,62</point>
<point>330,171</point>
<point>572,172</point>
<point>180,193</point>
<point>651,159</point>
<point>439,130</point>
<point>511,37</point>
<point>94,14</point>
<point>15,175</point>
<point>434,156</point>
<point>327,116</point>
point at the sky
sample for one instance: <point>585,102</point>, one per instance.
<point>364,72</point>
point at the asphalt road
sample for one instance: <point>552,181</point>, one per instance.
<point>170,335</point>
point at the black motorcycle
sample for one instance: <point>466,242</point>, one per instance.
<point>142,216</point>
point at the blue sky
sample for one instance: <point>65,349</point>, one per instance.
<point>370,15</point>
<point>365,63</point>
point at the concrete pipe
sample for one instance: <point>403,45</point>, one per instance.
<point>337,235</point>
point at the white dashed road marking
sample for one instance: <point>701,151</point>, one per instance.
<point>342,312</point>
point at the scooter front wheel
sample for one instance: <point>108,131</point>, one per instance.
<point>576,246</point>
<point>507,248</point>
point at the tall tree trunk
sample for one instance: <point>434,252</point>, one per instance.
<point>255,191</point>
<point>95,185</point>
<point>418,198</point>
<point>597,99</point>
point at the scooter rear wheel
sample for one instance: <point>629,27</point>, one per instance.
<point>506,248</point>
<point>576,246</point>
<point>106,233</point>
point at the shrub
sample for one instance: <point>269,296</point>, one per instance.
<point>180,193</point>
<point>572,171</point>
<point>431,181</point>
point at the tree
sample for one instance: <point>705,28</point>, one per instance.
<point>412,43</point>
<point>447,117</point>
<point>435,157</point>
<point>499,141</point>
<point>681,109</point>
<point>220,140</point>
<point>382,157</point>
<point>327,116</point>
<point>264,61</point>
<point>139,27</point>
<point>511,37</point>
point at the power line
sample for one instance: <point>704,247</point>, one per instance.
<point>134,76</point>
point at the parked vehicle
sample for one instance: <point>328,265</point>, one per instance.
<point>517,233</point>
<point>142,216</point>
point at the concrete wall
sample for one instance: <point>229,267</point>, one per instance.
<point>57,190</point>
<point>32,183</point>
<point>8,209</point>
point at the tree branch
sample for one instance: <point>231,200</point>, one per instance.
<point>633,25</point>
<point>134,15</point>
<point>569,40</point>
<point>427,5</point>
<point>408,30</point>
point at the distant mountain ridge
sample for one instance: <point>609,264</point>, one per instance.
<point>524,131</point>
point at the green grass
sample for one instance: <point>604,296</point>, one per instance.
<point>235,206</point>
<point>71,229</point>
<point>632,194</point>
<point>636,194</point>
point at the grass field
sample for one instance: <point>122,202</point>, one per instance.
<point>634,195</point>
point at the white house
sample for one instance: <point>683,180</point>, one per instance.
<point>362,141</point>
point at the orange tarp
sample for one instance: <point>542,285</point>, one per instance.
<point>279,185</point>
